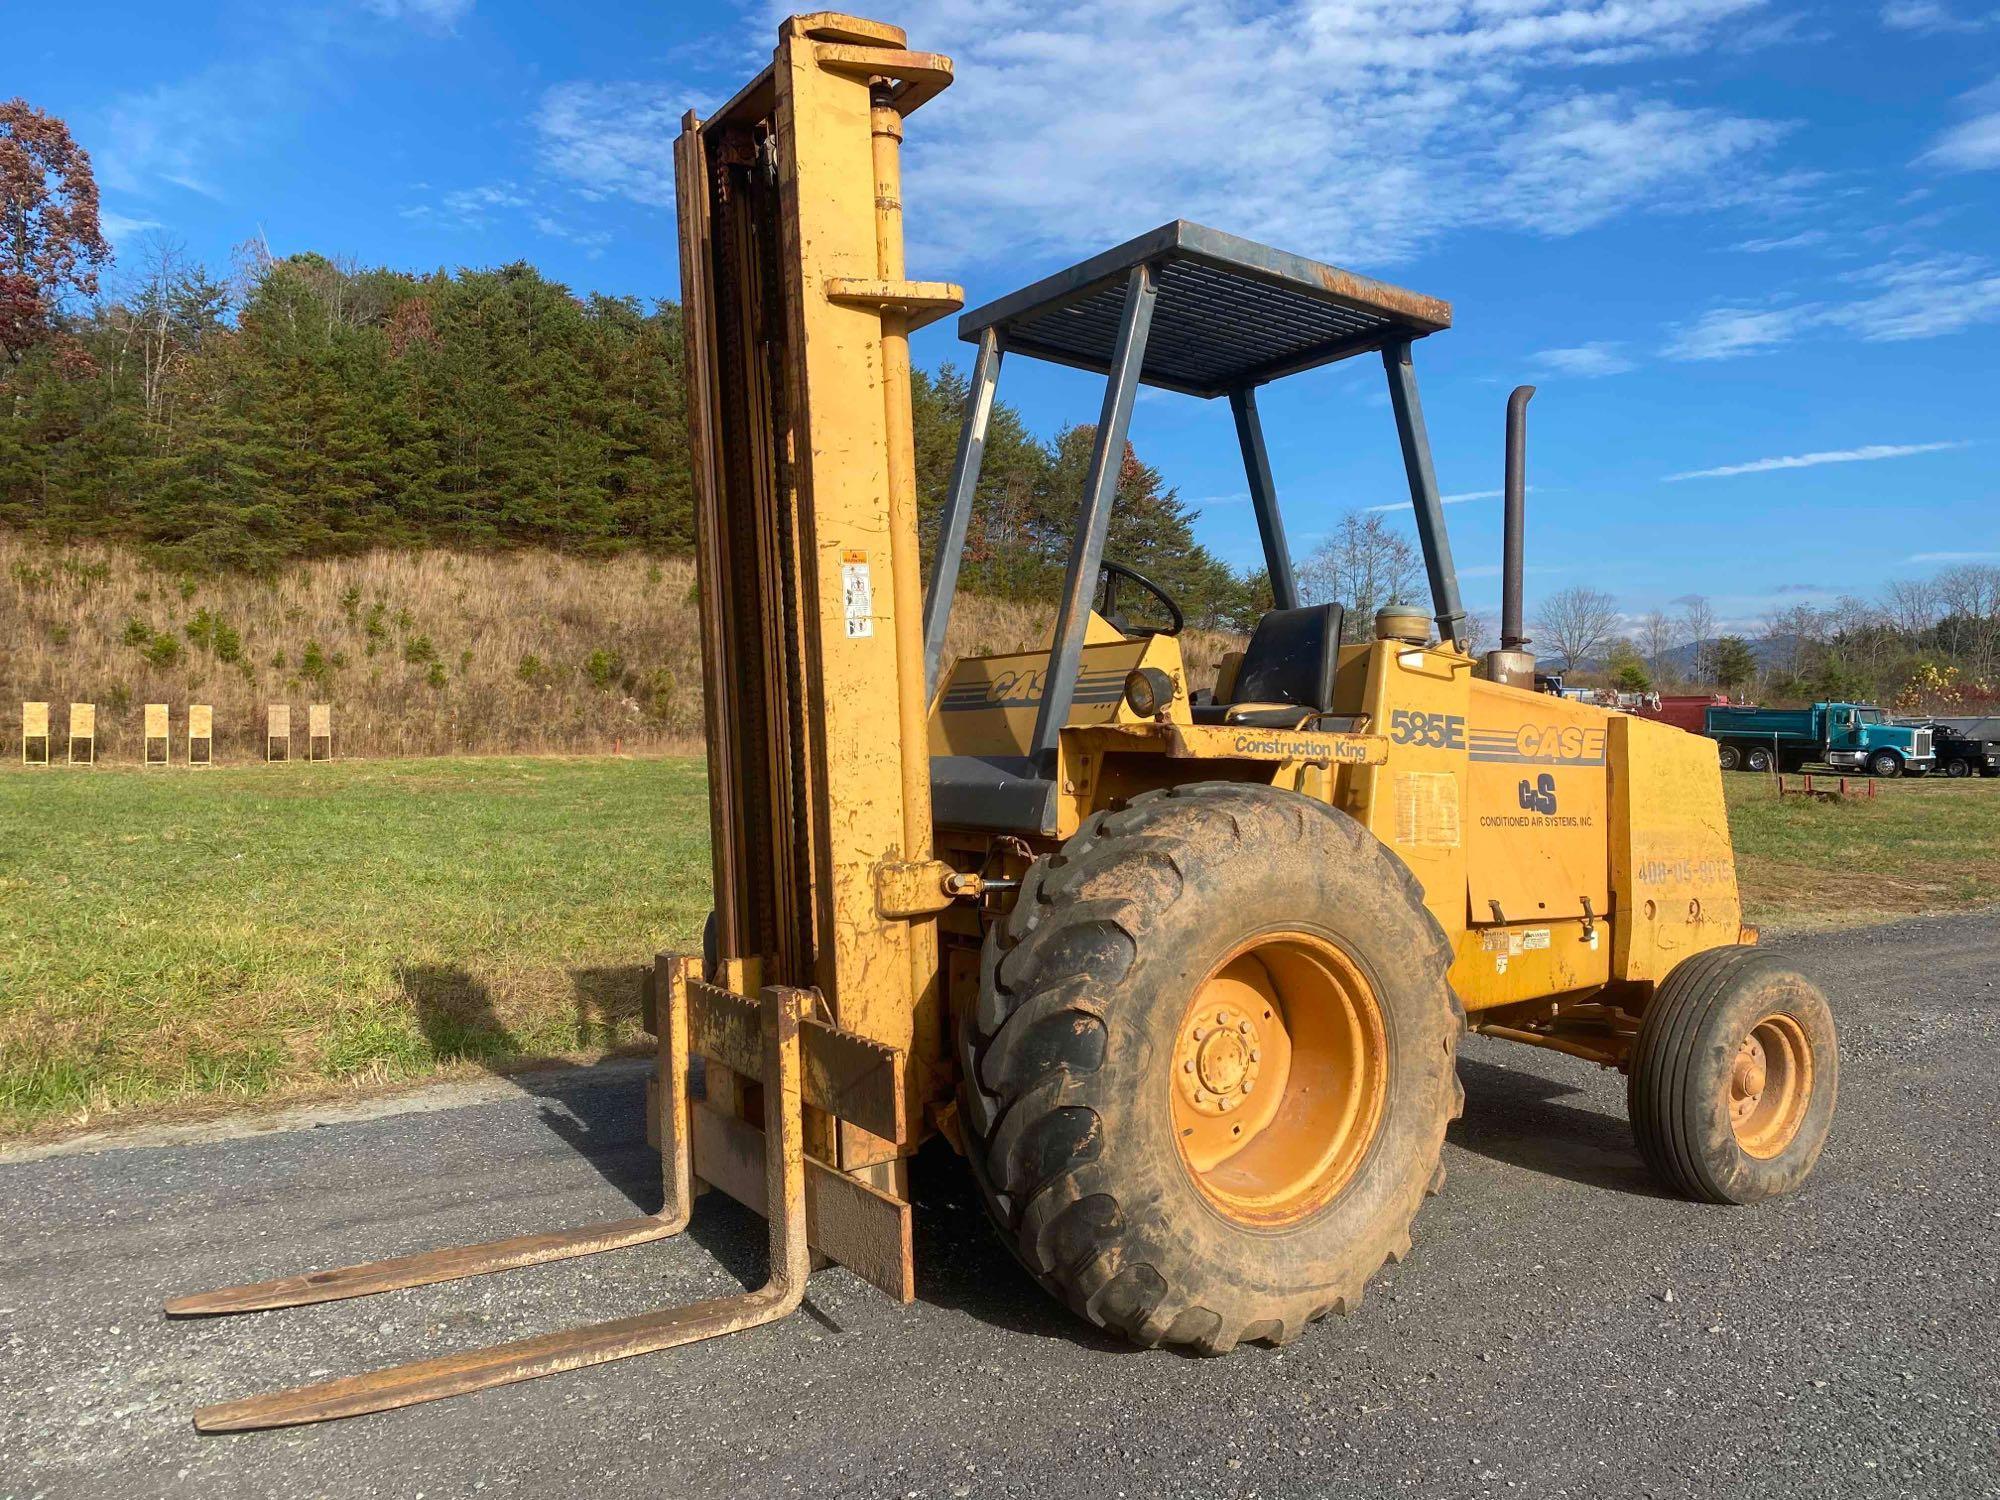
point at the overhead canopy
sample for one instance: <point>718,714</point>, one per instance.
<point>1230,314</point>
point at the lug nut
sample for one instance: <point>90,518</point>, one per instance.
<point>1248,1084</point>
<point>1255,1054</point>
<point>1222,1018</point>
<point>1244,1027</point>
<point>1188,1066</point>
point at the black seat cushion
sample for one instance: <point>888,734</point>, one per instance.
<point>1281,717</point>
<point>1291,658</point>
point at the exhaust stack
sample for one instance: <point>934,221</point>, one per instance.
<point>1512,663</point>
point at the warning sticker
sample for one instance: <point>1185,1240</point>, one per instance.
<point>857,595</point>
<point>1427,808</point>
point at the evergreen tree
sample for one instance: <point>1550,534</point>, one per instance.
<point>1734,662</point>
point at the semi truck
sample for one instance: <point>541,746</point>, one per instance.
<point>1961,753</point>
<point>1845,736</point>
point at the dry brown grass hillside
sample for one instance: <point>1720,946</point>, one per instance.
<point>419,653</point>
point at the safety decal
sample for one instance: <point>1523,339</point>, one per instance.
<point>857,595</point>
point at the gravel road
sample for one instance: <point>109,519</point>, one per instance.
<point>1560,1330</point>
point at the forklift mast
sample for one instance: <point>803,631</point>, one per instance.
<point>798,319</point>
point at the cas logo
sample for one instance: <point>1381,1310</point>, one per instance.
<point>1013,687</point>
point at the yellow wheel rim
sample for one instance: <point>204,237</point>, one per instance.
<point>1770,1085</point>
<point>1280,1070</point>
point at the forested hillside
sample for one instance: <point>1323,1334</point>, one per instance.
<point>304,408</point>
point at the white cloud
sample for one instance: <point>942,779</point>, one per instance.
<point>470,208</point>
<point>591,241</point>
<point>1357,130</point>
<point>439,15</point>
<point>1868,454</point>
<point>612,139</point>
<point>1588,361</point>
<point>1969,146</point>
<point>117,227</point>
<point>174,132</point>
<point>1727,332</point>
<point>1803,240</point>
<point>187,132</point>
<point>1928,17</point>
<point>1973,144</point>
<point>1950,557</point>
<point>1459,499</point>
<point>1908,298</point>
<point>1916,299</point>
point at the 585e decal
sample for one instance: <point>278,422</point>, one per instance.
<point>1410,726</point>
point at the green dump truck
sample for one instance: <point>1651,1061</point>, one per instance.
<point>1845,736</point>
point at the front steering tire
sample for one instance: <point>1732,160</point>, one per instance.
<point>1206,1080</point>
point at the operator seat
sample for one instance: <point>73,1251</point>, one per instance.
<point>1287,670</point>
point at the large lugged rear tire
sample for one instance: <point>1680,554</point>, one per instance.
<point>1734,1076</point>
<point>1206,1081</point>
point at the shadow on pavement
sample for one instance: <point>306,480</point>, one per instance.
<point>962,1264</point>
<point>1511,1116</point>
<point>458,1017</point>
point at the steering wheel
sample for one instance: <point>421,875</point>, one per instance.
<point>1108,574</point>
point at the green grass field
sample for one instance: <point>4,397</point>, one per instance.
<point>186,940</point>
<point>1918,846</point>
<point>192,937</point>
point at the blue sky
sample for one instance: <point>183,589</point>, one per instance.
<point>1749,250</point>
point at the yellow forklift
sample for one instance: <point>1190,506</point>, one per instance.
<point>1180,967</point>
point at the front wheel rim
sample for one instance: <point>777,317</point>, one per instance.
<point>1770,1085</point>
<point>1280,1078</point>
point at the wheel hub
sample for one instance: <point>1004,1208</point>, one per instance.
<point>1770,1085</point>
<point>1280,1075</point>
<point>1218,1058</point>
<point>1747,1079</point>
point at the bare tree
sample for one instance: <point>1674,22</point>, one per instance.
<point>153,318</point>
<point>1364,563</point>
<point>169,306</point>
<point>1477,632</point>
<point>1970,596</point>
<point>1657,637</point>
<point>1912,605</point>
<point>1576,621</point>
<point>1791,636</point>
<point>1698,629</point>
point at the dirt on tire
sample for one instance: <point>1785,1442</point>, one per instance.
<point>1064,1097</point>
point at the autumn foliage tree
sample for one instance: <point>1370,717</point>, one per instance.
<point>51,244</point>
